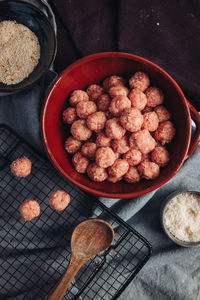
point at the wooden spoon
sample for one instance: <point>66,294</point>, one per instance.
<point>88,239</point>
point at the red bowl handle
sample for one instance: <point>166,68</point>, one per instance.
<point>196,137</point>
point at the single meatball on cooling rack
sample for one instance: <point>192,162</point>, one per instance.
<point>21,167</point>
<point>59,200</point>
<point>29,209</point>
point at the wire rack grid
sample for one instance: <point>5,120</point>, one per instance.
<point>34,255</point>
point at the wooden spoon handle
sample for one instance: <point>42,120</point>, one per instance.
<point>74,265</point>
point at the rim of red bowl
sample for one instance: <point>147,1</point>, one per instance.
<point>53,159</point>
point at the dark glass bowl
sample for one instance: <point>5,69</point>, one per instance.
<point>30,16</point>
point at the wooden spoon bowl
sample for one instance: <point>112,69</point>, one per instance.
<point>89,238</point>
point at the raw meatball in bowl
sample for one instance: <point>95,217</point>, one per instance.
<point>154,96</point>
<point>72,145</point>
<point>97,173</point>
<point>162,113</point>
<point>131,119</point>
<point>113,80</point>
<point>69,115</point>
<point>118,105</point>
<point>89,149</point>
<point>121,145</point>
<point>94,91</point>
<point>105,157</point>
<point>78,96</point>
<point>119,168</point>
<point>148,170</point>
<point>103,102</point>
<point>165,132</point>
<point>96,121</point>
<point>132,175</point>
<point>139,80</point>
<point>85,108</point>
<point>138,99</point>
<point>80,131</point>
<point>150,121</point>
<point>118,91</point>
<point>143,140</point>
<point>114,130</point>
<point>80,162</point>
<point>160,156</point>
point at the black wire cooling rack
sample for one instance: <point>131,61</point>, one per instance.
<point>34,255</point>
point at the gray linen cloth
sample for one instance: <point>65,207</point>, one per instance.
<point>173,272</point>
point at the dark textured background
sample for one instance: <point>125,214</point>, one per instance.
<point>165,32</point>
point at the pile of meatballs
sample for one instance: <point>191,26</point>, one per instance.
<point>119,130</point>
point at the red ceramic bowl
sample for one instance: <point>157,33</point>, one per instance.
<point>92,69</point>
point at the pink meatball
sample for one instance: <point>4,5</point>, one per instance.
<point>139,80</point>
<point>154,96</point>
<point>96,121</point>
<point>118,91</point>
<point>114,130</point>
<point>102,140</point>
<point>133,157</point>
<point>78,96</point>
<point>121,145</point>
<point>59,200</point>
<point>80,162</point>
<point>72,145</point>
<point>132,175</point>
<point>162,113</point>
<point>105,157</point>
<point>114,179</point>
<point>103,102</point>
<point>150,121</point>
<point>94,91</point>
<point>97,173</point>
<point>148,170</point>
<point>85,108</point>
<point>160,156</point>
<point>29,209</point>
<point>131,119</point>
<point>69,115</point>
<point>165,132</point>
<point>144,141</point>
<point>113,80</point>
<point>80,131</point>
<point>21,167</point>
<point>138,99</point>
<point>89,150</point>
<point>118,104</point>
<point>119,168</point>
